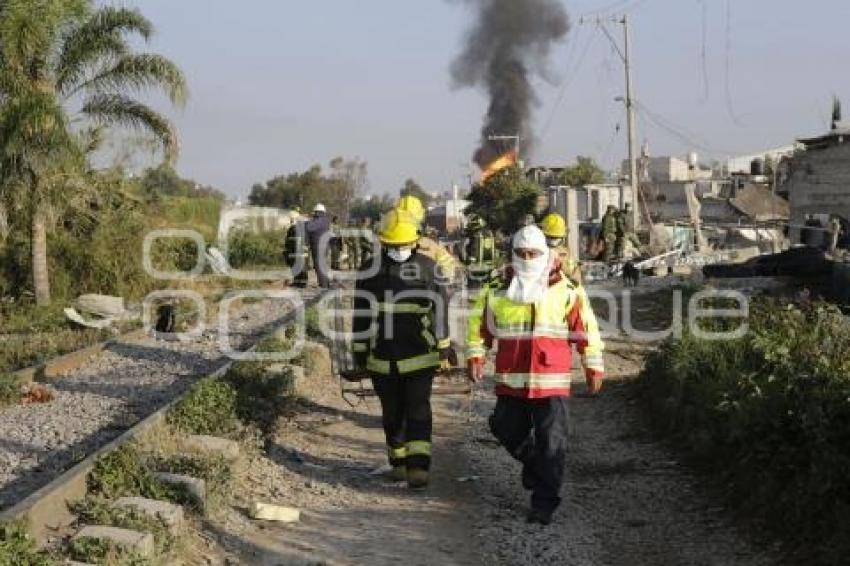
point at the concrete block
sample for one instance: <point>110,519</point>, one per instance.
<point>196,488</point>
<point>269,512</point>
<point>171,514</point>
<point>134,541</point>
<point>222,447</point>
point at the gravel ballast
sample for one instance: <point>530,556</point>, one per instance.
<point>112,392</point>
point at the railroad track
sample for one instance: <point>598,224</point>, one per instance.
<point>47,451</point>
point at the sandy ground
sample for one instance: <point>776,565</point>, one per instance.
<point>628,501</point>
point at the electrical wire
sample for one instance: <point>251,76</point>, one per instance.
<point>566,84</point>
<point>678,132</point>
<point>704,51</point>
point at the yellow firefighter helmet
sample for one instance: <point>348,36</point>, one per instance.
<point>412,206</point>
<point>398,229</point>
<point>554,226</point>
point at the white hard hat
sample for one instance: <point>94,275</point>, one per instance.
<point>319,208</point>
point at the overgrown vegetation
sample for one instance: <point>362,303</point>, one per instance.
<point>18,548</point>
<point>122,473</point>
<point>770,412</point>
<point>102,512</point>
<point>209,408</point>
<point>10,388</point>
<point>100,551</point>
<point>248,249</point>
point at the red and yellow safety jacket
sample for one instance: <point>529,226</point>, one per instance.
<point>534,354</point>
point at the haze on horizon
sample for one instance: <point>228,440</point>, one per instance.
<point>278,86</point>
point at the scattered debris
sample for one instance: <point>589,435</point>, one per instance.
<point>36,393</point>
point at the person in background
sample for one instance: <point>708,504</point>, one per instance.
<point>478,252</point>
<point>535,316</point>
<point>296,251</point>
<point>609,232</point>
<point>555,229</point>
<point>316,228</point>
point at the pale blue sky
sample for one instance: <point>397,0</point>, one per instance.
<point>278,85</point>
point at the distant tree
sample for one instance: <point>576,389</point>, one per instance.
<point>61,54</point>
<point>372,208</point>
<point>585,172</point>
<point>412,188</point>
<point>165,180</point>
<point>505,199</point>
<point>336,189</point>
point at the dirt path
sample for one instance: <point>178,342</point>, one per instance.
<point>323,461</point>
<point>627,500</point>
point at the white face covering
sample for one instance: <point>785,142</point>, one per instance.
<point>531,276</point>
<point>400,255</point>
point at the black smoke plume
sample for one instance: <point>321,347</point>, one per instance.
<point>507,46</point>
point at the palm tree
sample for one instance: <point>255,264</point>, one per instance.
<point>66,71</point>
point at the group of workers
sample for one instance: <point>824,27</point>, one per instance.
<point>532,310</point>
<point>617,237</point>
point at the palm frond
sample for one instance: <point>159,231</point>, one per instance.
<point>138,73</point>
<point>102,37</point>
<point>120,110</point>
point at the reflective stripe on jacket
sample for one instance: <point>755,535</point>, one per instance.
<point>408,322</point>
<point>534,352</point>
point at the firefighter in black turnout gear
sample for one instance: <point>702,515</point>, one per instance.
<point>409,340</point>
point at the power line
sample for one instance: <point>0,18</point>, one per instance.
<point>689,138</point>
<point>569,80</point>
<point>704,50</point>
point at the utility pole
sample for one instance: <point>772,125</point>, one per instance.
<point>625,55</point>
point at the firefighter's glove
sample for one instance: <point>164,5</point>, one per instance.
<point>448,358</point>
<point>475,369</point>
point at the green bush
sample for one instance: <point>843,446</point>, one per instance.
<point>103,512</point>
<point>18,548</point>
<point>248,249</point>
<point>122,473</point>
<point>771,412</point>
<point>10,389</point>
<point>209,408</point>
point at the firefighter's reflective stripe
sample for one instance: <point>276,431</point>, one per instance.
<point>429,338</point>
<point>430,360</point>
<point>403,308</point>
<point>359,347</point>
<point>397,453</point>
<point>533,380</point>
<point>444,343</point>
<point>529,331</point>
<point>418,448</point>
<point>383,367</point>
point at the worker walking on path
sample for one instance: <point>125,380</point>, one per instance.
<point>478,252</point>
<point>296,252</point>
<point>402,343</point>
<point>316,228</point>
<point>536,315</point>
<point>555,229</point>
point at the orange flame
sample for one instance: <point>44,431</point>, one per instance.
<point>507,160</point>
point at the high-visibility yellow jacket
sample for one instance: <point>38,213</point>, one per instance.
<point>534,351</point>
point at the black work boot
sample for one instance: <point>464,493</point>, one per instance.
<point>540,517</point>
<point>529,478</point>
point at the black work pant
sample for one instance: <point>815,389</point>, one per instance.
<point>406,407</point>
<point>535,433</point>
<point>320,264</point>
